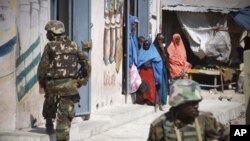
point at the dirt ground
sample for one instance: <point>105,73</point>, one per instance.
<point>232,96</point>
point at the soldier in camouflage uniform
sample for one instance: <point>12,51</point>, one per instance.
<point>58,75</point>
<point>183,122</point>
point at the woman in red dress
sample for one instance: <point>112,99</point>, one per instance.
<point>150,66</point>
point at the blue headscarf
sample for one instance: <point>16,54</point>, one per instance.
<point>157,64</point>
<point>151,55</point>
<point>133,41</point>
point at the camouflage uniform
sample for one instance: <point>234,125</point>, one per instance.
<point>58,75</point>
<point>168,128</point>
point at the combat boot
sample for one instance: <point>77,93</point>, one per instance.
<point>49,126</point>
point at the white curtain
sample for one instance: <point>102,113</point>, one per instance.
<point>204,38</point>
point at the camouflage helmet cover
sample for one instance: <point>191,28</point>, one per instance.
<point>184,90</point>
<point>57,27</point>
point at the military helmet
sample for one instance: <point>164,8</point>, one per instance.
<point>183,91</point>
<point>57,27</point>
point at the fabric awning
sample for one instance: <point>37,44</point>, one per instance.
<point>204,39</point>
<point>221,6</point>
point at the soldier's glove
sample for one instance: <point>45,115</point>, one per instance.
<point>85,70</point>
<point>81,82</point>
<point>76,98</point>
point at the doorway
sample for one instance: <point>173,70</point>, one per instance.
<point>75,14</point>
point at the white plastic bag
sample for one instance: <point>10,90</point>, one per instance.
<point>135,79</point>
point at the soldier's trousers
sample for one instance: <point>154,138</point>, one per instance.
<point>65,114</point>
<point>49,106</point>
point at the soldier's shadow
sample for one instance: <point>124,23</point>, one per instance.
<point>41,130</point>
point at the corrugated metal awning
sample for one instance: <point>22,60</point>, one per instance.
<point>222,6</point>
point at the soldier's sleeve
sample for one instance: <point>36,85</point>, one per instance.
<point>156,132</point>
<point>86,67</point>
<point>42,67</point>
<point>81,55</point>
<point>215,130</point>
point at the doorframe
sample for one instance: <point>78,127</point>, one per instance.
<point>70,25</point>
<point>85,115</point>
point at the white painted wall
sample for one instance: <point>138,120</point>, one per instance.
<point>32,16</point>
<point>155,24</point>
<point>24,19</point>
<point>102,93</point>
<point>7,60</point>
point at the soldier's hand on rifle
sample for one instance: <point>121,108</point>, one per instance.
<point>81,82</point>
<point>85,70</point>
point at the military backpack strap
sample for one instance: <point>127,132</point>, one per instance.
<point>178,133</point>
<point>198,129</point>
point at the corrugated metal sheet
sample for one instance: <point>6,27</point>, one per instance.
<point>222,6</point>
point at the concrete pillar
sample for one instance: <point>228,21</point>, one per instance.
<point>7,103</point>
<point>8,45</point>
<point>247,84</point>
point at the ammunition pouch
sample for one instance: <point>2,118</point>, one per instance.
<point>62,87</point>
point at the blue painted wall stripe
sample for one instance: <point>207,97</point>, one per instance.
<point>8,46</point>
<point>30,83</point>
<point>27,87</point>
<point>21,58</point>
<point>24,73</point>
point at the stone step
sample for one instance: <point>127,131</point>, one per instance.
<point>99,122</point>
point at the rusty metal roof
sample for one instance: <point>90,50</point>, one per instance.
<point>222,6</point>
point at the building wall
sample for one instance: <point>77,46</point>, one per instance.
<point>154,18</point>
<point>31,18</point>
<point>8,45</point>
<point>106,78</point>
<point>22,39</point>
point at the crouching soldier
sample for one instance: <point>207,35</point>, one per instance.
<point>184,122</point>
<point>58,74</point>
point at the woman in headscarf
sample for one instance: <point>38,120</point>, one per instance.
<point>134,77</point>
<point>150,69</point>
<point>133,41</point>
<point>163,90</point>
<point>178,65</point>
<point>141,39</point>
